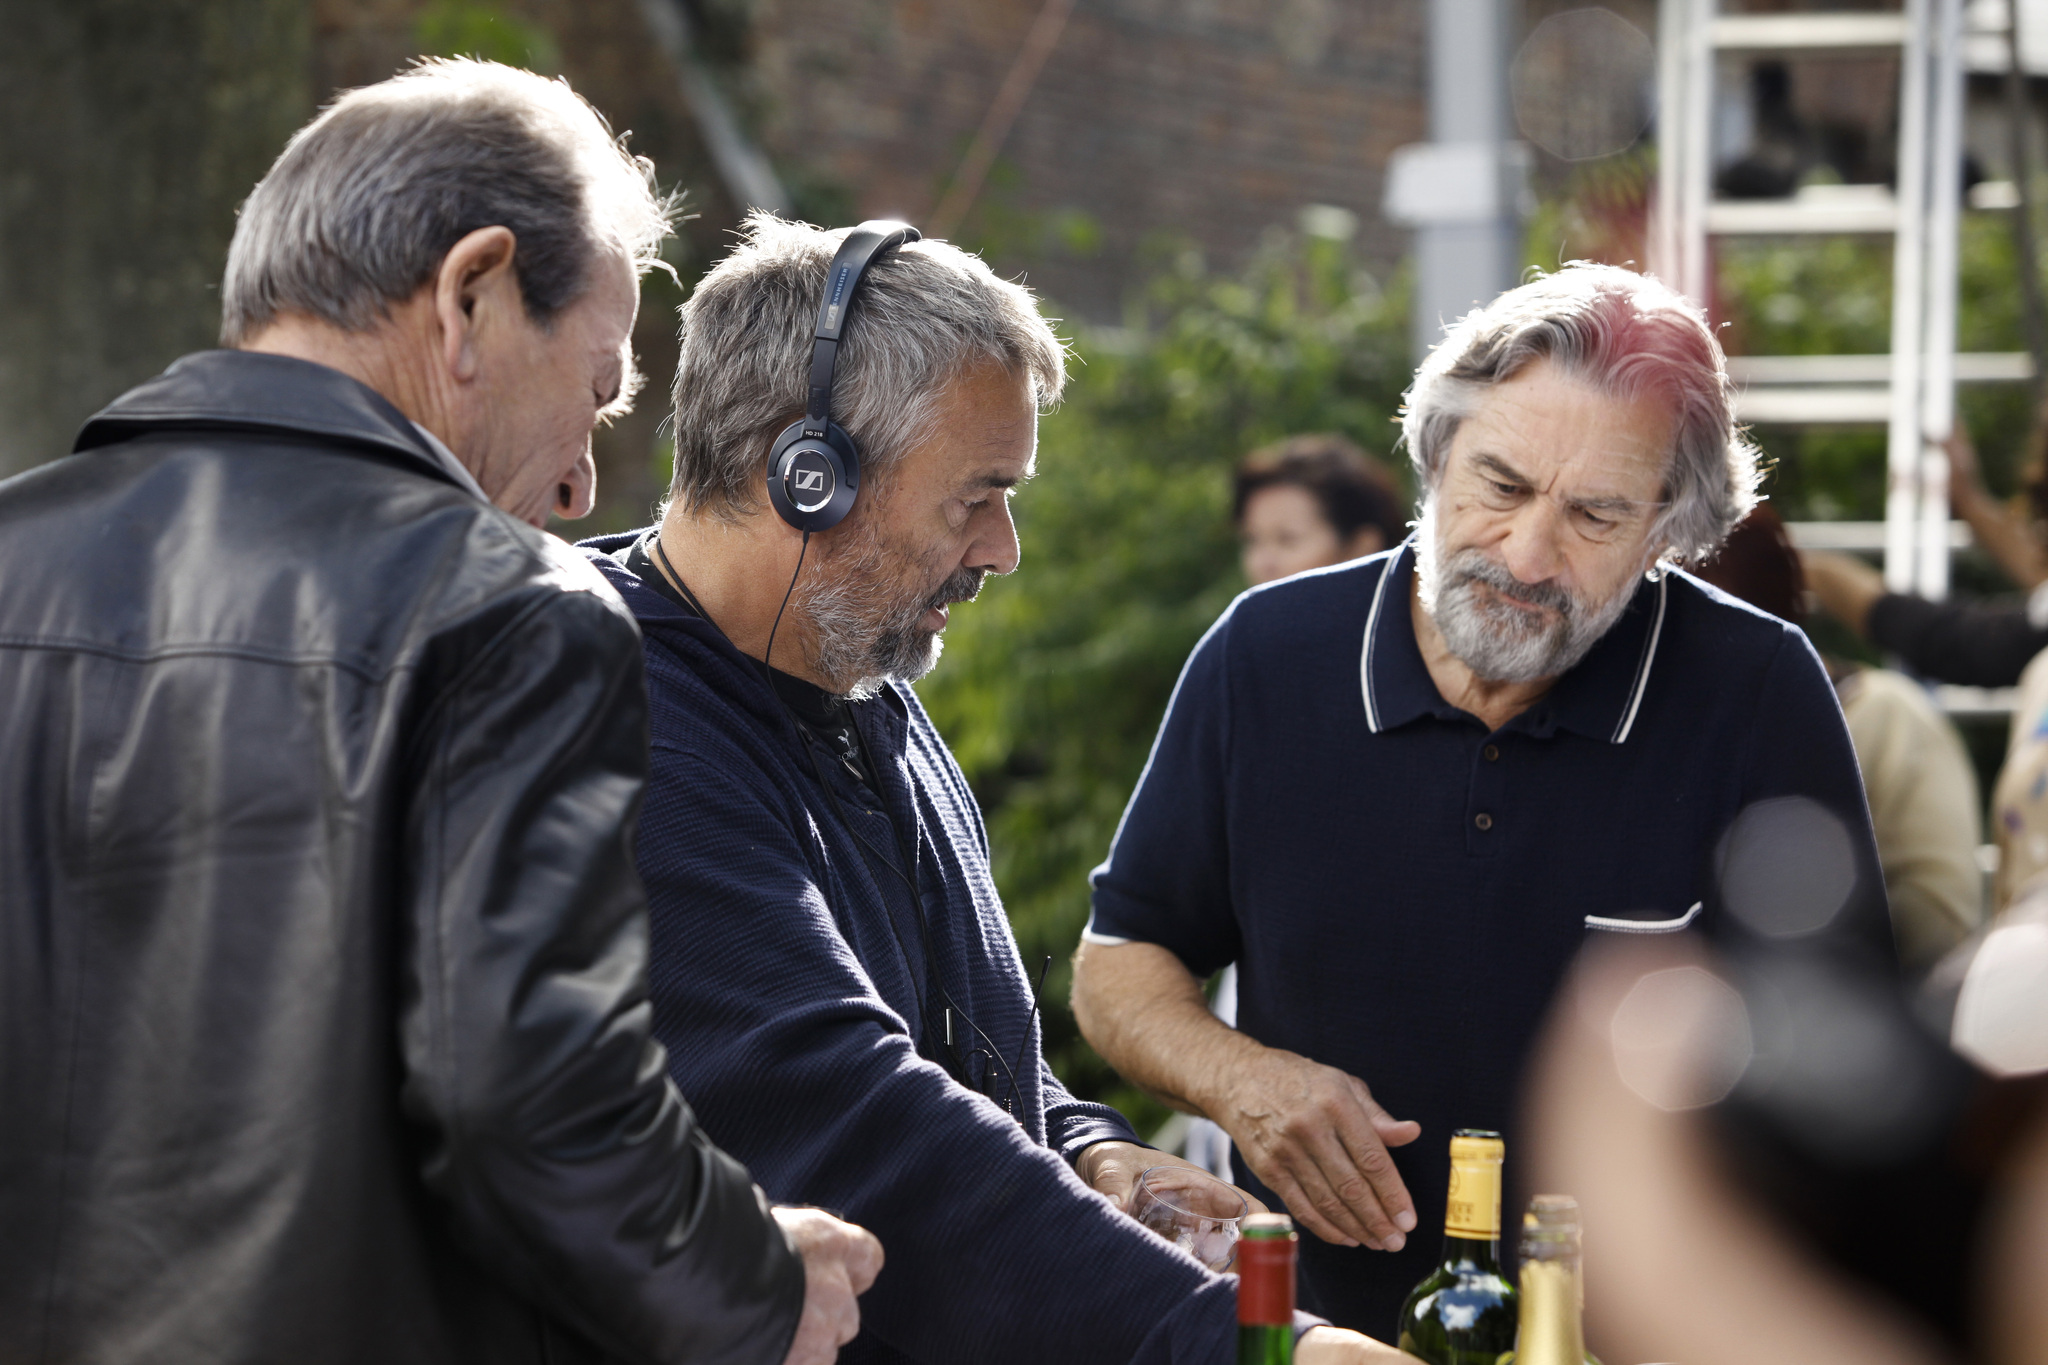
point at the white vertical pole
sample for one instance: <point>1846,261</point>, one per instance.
<point>1905,438</point>
<point>1673,56</point>
<point>1938,394</point>
<point>1462,265</point>
<point>1698,185</point>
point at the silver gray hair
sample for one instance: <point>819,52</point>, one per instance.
<point>367,199</point>
<point>1625,334</point>
<point>926,313</point>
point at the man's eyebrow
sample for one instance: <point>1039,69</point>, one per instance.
<point>1498,468</point>
<point>994,480</point>
<point>621,401</point>
<point>1493,464</point>
<point>1596,504</point>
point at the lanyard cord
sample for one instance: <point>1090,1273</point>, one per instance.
<point>873,855</point>
<point>869,853</point>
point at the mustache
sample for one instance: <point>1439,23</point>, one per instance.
<point>1471,565</point>
<point>964,585</point>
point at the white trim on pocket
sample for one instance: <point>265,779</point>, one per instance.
<point>1644,926</point>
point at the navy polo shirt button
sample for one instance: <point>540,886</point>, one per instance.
<point>1492,752</point>
<point>1483,820</point>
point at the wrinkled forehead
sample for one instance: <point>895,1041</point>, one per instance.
<point>1555,431</point>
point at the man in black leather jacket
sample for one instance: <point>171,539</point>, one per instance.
<point>323,1021</point>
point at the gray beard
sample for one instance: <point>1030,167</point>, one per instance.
<point>1498,642</point>
<point>865,612</point>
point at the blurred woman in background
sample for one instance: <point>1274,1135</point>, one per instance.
<point>1312,501</point>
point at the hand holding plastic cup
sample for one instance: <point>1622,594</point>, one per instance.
<point>1196,1212</point>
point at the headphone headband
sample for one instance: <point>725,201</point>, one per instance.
<point>855,255</point>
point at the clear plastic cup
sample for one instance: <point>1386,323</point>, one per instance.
<point>1196,1212</point>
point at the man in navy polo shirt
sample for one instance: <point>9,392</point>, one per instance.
<point>1401,793</point>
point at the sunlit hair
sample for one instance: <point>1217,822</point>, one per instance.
<point>1626,335</point>
<point>926,313</point>
<point>367,199</point>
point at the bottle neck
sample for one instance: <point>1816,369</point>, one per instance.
<point>1472,1208</point>
<point>1265,1282</point>
<point>1471,1253</point>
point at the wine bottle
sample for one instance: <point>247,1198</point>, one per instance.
<point>1265,1290</point>
<point>1553,1291</point>
<point>1463,1312</point>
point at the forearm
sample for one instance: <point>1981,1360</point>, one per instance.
<point>1957,642</point>
<point>1145,1013</point>
<point>2005,538</point>
<point>1846,586</point>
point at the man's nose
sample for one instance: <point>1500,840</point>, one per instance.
<point>995,546</point>
<point>1534,547</point>
<point>576,494</point>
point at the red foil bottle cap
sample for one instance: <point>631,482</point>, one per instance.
<point>1265,1271</point>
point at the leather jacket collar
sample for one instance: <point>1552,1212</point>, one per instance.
<point>251,391</point>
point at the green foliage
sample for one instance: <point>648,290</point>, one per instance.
<point>465,28</point>
<point>1833,297</point>
<point>1054,682</point>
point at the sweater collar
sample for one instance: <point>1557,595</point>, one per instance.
<point>705,647</point>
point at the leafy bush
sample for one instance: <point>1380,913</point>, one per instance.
<point>1833,297</point>
<point>1054,682</point>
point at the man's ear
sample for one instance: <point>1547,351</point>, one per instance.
<point>473,291</point>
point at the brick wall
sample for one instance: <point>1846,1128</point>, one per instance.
<point>1209,119</point>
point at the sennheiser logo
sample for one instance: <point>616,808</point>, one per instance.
<point>810,481</point>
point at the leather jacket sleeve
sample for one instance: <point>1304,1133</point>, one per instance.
<point>573,1167</point>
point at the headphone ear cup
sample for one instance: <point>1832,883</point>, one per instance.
<point>812,482</point>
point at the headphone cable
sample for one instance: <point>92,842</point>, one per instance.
<point>869,851</point>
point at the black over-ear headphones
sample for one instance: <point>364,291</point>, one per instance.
<point>814,466</point>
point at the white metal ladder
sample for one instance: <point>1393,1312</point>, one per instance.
<point>1912,390</point>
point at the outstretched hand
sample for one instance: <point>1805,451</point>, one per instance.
<point>1319,1140</point>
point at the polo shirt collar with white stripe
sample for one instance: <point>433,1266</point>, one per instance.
<point>1598,699</point>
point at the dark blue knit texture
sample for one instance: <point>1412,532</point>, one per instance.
<point>788,985</point>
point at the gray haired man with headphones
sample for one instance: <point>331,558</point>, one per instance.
<point>833,974</point>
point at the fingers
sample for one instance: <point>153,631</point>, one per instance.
<point>1377,1165</point>
<point>830,1317</point>
<point>863,1260</point>
<point>1340,1346</point>
<point>841,1261</point>
<point>1361,1173</point>
<point>1315,1203</point>
<point>821,1238</point>
<point>1110,1171</point>
<point>1317,1138</point>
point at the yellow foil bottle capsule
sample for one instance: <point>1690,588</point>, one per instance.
<point>1463,1312</point>
<point>1472,1209</point>
<point>1553,1287</point>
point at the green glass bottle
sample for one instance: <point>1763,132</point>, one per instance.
<point>1464,1311</point>
<point>1265,1290</point>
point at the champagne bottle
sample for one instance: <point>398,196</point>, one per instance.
<point>1553,1285</point>
<point>1265,1290</point>
<point>1463,1312</point>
